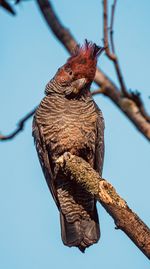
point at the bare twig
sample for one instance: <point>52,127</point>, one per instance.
<point>98,91</point>
<point>136,97</point>
<point>112,56</point>
<point>53,22</point>
<point>124,218</point>
<point>19,128</point>
<point>7,7</point>
<point>112,26</point>
<point>128,107</point>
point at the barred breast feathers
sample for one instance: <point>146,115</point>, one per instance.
<point>61,117</point>
<point>55,102</point>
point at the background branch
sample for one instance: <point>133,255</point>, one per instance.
<point>112,26</point>
<point>124,218</point>
<point>126,105</point>
<point>130,104</point>
<point>6,6</point>
<point>110,55</point>
<point>134,96</point>
<point>20,127</point>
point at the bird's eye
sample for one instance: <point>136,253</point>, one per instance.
<point>68,70</point>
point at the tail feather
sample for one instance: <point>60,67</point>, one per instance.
<point>81,233</point>
<point>70,232</point>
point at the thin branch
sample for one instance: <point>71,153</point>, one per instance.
<point>54,24</point>
<point>110,55</point>
<point>7,7</point>
<point>20,127</point>
<point>136,97</point>
<point>127,106</point>
<point>125,219</point>
<point>98,91</point>
<point>112,26</point>
<point>113,57</point>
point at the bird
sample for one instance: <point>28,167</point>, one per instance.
<point>69,120</point>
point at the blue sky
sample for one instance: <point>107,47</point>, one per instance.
<point>30,56</point>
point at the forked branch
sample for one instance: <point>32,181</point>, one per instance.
<point>129,103</point>
<point>109,34</point>
<point>128,106</point>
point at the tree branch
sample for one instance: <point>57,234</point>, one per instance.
<point>134,96</point>
<point>112,26</point>
<point>98,91</point>
<point>132,107</point>
<point>20,127</point>
<point>126,105</point>
<point>125,219</point>
<point>54,24</point>
<point>110,55</point>
<point>7,7</point>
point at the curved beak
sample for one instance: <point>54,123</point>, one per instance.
<point>79,83</point>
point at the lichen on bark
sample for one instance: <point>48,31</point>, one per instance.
<point>125,219</point>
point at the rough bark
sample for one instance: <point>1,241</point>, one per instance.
<point>124,218</point>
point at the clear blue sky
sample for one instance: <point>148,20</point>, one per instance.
<point>30,56</point>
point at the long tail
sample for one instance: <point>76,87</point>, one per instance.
<point>81,233</point>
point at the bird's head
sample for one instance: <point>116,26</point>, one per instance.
<point>79,71</point>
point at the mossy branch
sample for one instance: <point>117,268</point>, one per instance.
<point>124,218</point>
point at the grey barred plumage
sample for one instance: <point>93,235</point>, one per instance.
<point>68,120</point>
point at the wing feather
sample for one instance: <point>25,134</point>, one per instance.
<point>99,149</point>
<point>43,155</point>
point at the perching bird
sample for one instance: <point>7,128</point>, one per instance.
<point>68,120</point>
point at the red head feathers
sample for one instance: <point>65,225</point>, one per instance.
<point>84,59</point>
<point>82,64</point>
